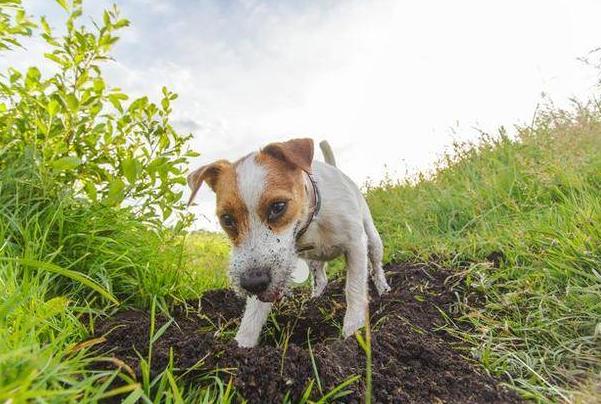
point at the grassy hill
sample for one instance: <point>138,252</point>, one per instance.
<point>520,219</point>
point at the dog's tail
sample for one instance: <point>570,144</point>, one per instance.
<point>328,155</point>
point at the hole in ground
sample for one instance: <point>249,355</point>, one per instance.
<point>413,360</point>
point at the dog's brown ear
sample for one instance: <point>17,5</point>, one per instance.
<point>209,174</point>
<point>296,152</point>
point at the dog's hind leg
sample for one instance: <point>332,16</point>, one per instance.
<point>356,287</point>
<point>255,315</point>
<point>376,252</point>
<point>319,277</point>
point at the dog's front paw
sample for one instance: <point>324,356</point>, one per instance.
<point>352,324</point>
<point>318,288</point>
<point>244,341</point>
<point>381,285</point>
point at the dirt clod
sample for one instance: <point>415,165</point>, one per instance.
<point>414,361</point>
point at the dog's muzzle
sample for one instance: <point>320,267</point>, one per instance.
<point>256,280</point>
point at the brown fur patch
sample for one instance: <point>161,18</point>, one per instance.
<point>298,153</point>
<point>284,183</point>
<point>230,202</point>
<point>221,177</point>
<point>208,174</point>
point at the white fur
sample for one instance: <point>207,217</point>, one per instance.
<point>251,181</point>
<point>320,278</point>
<point>261,247</point>
<point>343,227</point>
<point>301,271</point>
<point>255,315</point>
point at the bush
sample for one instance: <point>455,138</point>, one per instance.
<point>87,180</point>
<point>81,133</point>
<point>85,168</point>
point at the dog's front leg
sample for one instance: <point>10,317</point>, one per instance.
<point>319,279</point>
<point>255,315</point>
<point>356,287</point>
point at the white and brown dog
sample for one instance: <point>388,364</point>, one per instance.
<point>278,205</point>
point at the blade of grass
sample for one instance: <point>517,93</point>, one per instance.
<point>53,268</point>
<point>313,364</point>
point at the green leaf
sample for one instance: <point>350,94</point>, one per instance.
<point>55,59</point>
<point>115,193</point>
<point>120,96</point>
<point>121,23</point>
<point>82,79</point>
<point>99,85</point>
<point>130,169</point>
<point>63,4</point>
<point>156,164</point>
<point>66,163</point>
<point>116,103</point>
<point>164,141</point>
<point>41,125</point>
<point>165,103</point>
<point>138,104</point>
<point>70,111</point>
<point>52,107</point>
<point>14,76</point>
<point>90,189</point>
<point>72,102</point>
<point>33,73</point>
<point>45,26</point>
<point>32,78</point>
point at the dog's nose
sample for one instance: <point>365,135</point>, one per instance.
<point>255,280</point>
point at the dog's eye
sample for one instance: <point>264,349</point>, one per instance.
<point>276,210</point>
<point>227,221</point>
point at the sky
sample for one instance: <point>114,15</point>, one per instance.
<point>390,84</point>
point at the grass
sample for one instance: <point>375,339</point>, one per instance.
<point>208,254</point>
<point>519,218</point>
<point>531,206</point>
<point>63,263</point>
<point>365,344</point>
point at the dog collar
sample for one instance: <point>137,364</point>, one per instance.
<point>316,206</point>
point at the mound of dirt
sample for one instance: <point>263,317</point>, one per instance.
<point>413,360</point>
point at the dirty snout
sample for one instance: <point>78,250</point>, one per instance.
<point>263,264</point>
<point>255,280</point>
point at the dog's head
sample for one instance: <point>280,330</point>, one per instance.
<point>261,204</point>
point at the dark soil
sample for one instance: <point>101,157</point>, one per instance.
<point>414,360</point>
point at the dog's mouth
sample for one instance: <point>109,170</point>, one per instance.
<point>271,296</point>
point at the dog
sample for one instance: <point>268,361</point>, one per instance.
<point>278,205</point>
